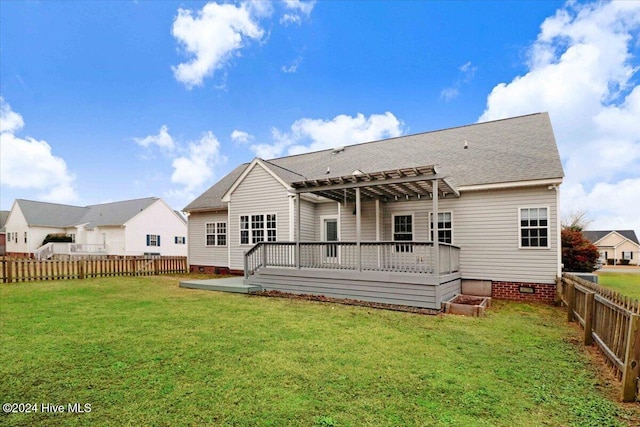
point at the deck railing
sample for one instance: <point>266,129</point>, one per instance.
<point>402,257</point>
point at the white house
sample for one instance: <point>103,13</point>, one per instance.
<point>358,221</point>
<point>131,227</point>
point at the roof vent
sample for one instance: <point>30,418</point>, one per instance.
<point>337,150</point>
<point>466,144</point>
<point>328,170</point>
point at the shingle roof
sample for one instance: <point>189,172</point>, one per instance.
<point>57,215</point>
<point>3,218</point>
<point>509,150</point>
<point>595,235</point>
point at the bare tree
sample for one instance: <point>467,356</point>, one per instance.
<point>575,220</point>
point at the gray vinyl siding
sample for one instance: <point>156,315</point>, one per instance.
<point>485,226</point>
<point>368,221</point>
<point>258,193</point>
<point>307,213</point>
<point>199,252</point>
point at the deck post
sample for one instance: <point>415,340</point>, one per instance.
<point>358,229</point>
<point>297,220</point>
<point>436,240</point>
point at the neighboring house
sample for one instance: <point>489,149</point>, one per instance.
<point>3,232</point>
<point>357,221</point>
<point>130,227</point>
<point>615,246</point>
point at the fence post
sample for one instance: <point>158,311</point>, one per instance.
<point>264,255</point>
<point>571,301</point>
<point>156,266</point>
<point>589,303</point>
<point>631,360</point>
<point>80,268</point>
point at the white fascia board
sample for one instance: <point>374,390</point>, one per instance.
<point>257,161</point>
<point>513,184</point>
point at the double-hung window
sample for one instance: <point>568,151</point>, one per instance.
<point>153,240</point>
<point>403,231</point>
<point>534,227</point>
<point>258,228</point>
<point>216,233</point>
<point>445,227</point>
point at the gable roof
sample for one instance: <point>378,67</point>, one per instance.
<point>3,218</point>
<point>596,235</point>
<point>106,214</point>
<point>511,150</point>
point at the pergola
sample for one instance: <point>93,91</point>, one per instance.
<point>389,185</point>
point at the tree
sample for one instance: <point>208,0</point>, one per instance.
<point>575,220</point>
<point>578,254</point>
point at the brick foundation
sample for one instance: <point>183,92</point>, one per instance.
<point>211,269</point>
<point>518,291</point>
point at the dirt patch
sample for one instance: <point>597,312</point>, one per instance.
<point>467,300</point>
<point>345,301</point>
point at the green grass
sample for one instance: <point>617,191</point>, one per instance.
<point>142,351</point>
<point>626,283</point>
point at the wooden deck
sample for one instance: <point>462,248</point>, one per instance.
<point>382,272</point>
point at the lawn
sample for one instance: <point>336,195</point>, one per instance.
<point>626,283</point>
<point>142,351</point>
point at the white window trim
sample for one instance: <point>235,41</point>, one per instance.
<point>215,234</point>
<point>251,229</point>
<point>452,228</point>
<point>393,231</point>
<point>519,234</point>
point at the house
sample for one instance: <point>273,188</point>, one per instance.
<point>132,227</point>
<point>615,246</point>
<point>3,232</point>
<point>360,221</point>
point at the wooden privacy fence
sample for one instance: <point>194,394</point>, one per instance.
<point>22,270</point>
<point>611,321</point>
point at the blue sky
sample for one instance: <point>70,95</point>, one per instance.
<point>105,101</point>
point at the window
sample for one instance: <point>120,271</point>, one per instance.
<point>179,240</point>
<point>403,231</point>
<point>216,234</point>
<point>627,255</point>
<point>445,227</point>
<point>153,240</point>
<point>534,228</point>
<point>259,227</point>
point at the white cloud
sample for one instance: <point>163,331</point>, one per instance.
<point>29,164</point>
<point>197,166</point>
<point>162,140</point>
<point>317,134</point>
<point>467,72</point>
<point>241,137</point>
<point>299,10</point>
<point>293,67</point>
<point>10,121</point>
<point>581,71</point>
<point>212,35</point>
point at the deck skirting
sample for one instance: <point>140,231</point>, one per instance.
<point>414,290</point>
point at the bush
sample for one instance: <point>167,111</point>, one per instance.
<point>578,254</point>
<point>57,238</point>
<point>624,262</point>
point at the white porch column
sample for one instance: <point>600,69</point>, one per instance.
<point>297,220</point>
<point>436,241</point>
<point>358,228</point>
<point>378,230</point>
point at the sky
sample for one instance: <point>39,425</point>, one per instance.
<point>113,100</point>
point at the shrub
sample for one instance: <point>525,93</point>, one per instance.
<point>578,254</point>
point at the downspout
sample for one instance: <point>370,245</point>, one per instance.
<point>298,231</point>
